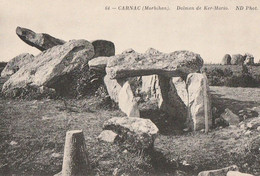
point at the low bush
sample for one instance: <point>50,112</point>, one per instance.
<point>242,81</point>
<point>226,77</point>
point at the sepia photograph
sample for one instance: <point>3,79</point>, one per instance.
<point>129,88</point>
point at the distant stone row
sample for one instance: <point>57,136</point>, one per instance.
<point>238,59</point>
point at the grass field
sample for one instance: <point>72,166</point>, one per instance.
<point>32,137</point>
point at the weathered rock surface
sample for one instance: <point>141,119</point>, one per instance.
<point>254,123</point>
<point>230,117</point>
<point>152,51</point>
<point>135,133</point>
<point>254,145</point>
<point>98,63</point>
<point>236,173</point>
<point>2,66</point>
<point>40,41</point>
<point>16,63</point>
<point>219,172</point>
<point>178,63</point>
<point>127,102</point>
<point>249,59</point>
<point>197,96</point>
<point>226,60</point>
<point>180,86</point>
<point>237,59</point>
<point>247,113</point>
<point>103,48</point>
<point>52,67</point>
<point>107,136</point>
<point>129,50</point>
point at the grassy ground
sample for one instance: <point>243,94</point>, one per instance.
<point>32,136</point>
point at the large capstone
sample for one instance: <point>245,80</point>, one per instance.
<point>40,41</point>
<point>53,67</point>
<point>134,133</point>
<point>131,64</point>
<point>16,63</point>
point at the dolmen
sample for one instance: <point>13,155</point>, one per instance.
<point>172,80</point>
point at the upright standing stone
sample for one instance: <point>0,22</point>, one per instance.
<point>40,41</point>
<point>180,86</point>
<point>113,87</point>
<point>237,59</point>
<point>127,102</point>
<point>196,106</point>
<point>249,59</point>
<point>226,60</point>
<point>75,160</point>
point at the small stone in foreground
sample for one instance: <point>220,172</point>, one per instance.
<point>236,173</point>
<point>135,133</point>
<point>230,117</point>
<point>219,172</point>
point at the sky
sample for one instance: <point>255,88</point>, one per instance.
<point>212,34</point>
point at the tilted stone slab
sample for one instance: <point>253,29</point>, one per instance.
<point>16,63</point>
<point>135,133</point>
<point>52,67</point>
<point>40,41</point>
<point>178,63</point>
